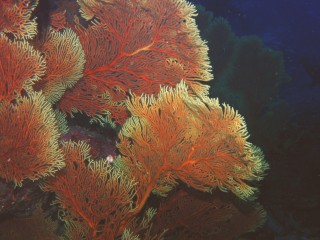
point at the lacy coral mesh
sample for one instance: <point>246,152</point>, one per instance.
<point>20,66</point>
<point>136,46</point>
<point>65,62</point>
<point>16,19</point>
<point>29,140</point>
<point>190,215</point>
<point>95,197</point>
<point>178,136</point>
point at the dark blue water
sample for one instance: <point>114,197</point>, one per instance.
<point>291,193</point>
<point>289,26</point>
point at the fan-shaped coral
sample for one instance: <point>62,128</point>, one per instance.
<point>20,67</point>
<point>28,140</point>
<point>177,136</point>
<point>122,48</point>
<point>95,198</point>
<point>15,18</point>
<point>190,215</point>
<point>136,45</point>
<point>36,226</point>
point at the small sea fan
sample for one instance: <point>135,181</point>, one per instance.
<point>95,197</point>
<point>65,62</point>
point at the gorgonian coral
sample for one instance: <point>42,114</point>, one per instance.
<point>64,58</point>
<point>136,46</point>
<point>29,140</point>
<point>95,196</point>
<point>16,18</point>
<point>20,66</point>
<point>178,136</point>
<point>190,215</point>
<point>120,58</point>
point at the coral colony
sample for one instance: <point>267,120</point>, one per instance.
<point>183,168</point>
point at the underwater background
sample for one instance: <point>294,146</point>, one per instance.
<point>278,91</point>
<point>265,58</point>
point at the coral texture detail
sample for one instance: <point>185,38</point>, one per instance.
<point>65,62</point>
<point>190,215</point>
<point>178,136</point>
<point>136,45</point>
<point>20,67</point>
<point>15,18</point>
<point>96,197</point>
<point>29,140</point>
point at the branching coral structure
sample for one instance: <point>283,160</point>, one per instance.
<point>178,136</point>
<point>16,18</point>
<point>187,215</point>
<point>96,197</point>
<point>20,66</point>
<point>64,58</point>
<point>136,45</point>
<point>29,140</point>
<point>142,66</point>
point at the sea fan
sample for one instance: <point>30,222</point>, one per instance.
<point>29,140</point>
<point>178,136</point>
<point>137,46</point>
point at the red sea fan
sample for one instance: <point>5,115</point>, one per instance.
<point>58,20</point>
<point>94,196</point>
<point>15,18</point>
<point>37,226</point>
<point>65,13</point>
<point>136,45</point>
<point>20,67</point>
<point>28,140</point>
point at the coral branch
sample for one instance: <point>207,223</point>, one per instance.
<point>29,140</point>
<point>195,140</point>
<point>20,67</point>
<point>191,215</point>
<point>136,46</point>
<point>15,18</point>
<point>65,62</point>
<point>95,198</point>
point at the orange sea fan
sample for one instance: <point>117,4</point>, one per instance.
<point>15,18</point>
<point>28,140</point>
<point>136,45</point>
<point>94,196</point>
<point>178,136</point>
<point>20,67</point>
<point>65,62</point>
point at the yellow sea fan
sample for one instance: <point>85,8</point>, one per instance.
<point>178,136</point>
<point>65,62</point>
